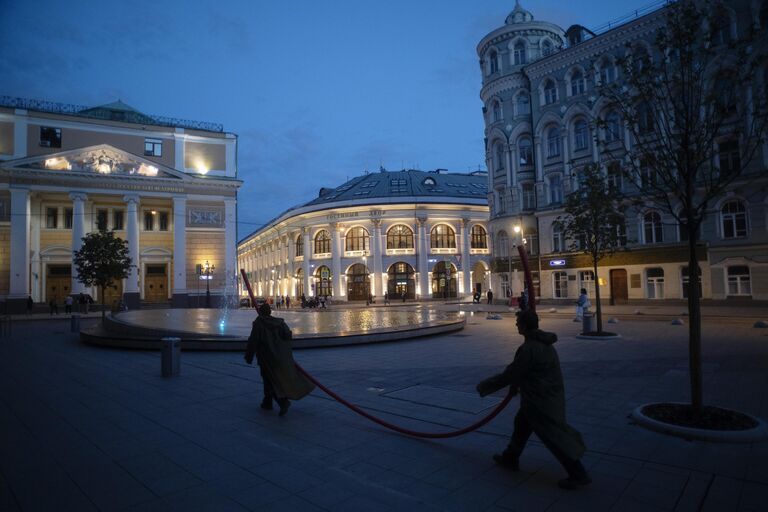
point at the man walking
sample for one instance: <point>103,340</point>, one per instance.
<point>270,342</point>
<point>535,373</point>
<point>489,295</point>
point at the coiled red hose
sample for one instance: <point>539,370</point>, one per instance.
<point>414,433</point>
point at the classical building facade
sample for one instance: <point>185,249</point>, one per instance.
<point>540,102</point>
<point>167,186</point>
<point>413,233</point>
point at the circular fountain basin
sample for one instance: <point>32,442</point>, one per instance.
<point>213,329</point>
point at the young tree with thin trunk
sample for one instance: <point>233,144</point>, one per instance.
<point>101,261</point>
<point>694,103</point>
<point>593,222</point>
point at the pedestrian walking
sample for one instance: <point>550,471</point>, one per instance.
<point>535,373</point>
<point>386,298</point>
<point>287,302</point>
<point>68,305</point>
<point>582,305</point>
<point>489,296</point>
<point>403,295</point>
<point>53,307</point>
<point>270,342</point>
<point>30,305</point>
<point>522,302</point>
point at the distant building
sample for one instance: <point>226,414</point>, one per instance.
<point>167,186</point>
<point>539,95</point>
<point>413,233</point>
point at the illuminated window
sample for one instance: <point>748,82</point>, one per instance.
<point>400,237</point>
<point>299,246</point>
<point>322,242</point>
<point>357,239</point>
<point>479,239</point>
<point>442,236</point>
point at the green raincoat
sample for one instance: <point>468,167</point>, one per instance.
<point>535,372</point>
<point>270,340</point>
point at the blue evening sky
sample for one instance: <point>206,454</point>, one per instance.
<point>318,91</point>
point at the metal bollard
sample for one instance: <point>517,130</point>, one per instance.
<point>74,323</point>
<point>170,357</point>
<point>586,323</point>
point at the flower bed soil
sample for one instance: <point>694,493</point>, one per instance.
<point>709,417</point>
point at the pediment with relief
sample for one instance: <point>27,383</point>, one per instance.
<point>104,160</point>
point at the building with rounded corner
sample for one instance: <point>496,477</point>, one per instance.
<point>409,233</point>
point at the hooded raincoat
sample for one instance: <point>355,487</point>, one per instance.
<point>535,372</point>
<point>270,341</point>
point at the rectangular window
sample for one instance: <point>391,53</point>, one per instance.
<point>101,220</point>
<point>655,283</point>
<point>739,282</point>
<point>730,158</point>
<point>560,283</point>
<point>504,285</point>
<point>587,281</point>
<point>51,218</point>
<point>529,197</point>
<point>117,220</point>
<point>149,221</point>
<point>50,137</point>
<point>153,147</point>
<point>163,221</point>
<point>68,218</point>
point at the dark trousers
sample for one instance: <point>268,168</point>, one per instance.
<point>523,431</point>
<point>269,390</point>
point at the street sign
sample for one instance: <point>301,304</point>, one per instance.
<point>557,263</point>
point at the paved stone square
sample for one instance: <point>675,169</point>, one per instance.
<point>85,428</point>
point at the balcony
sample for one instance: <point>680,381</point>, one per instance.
<point>397,252</point>
<point>443,250</point>
<point>355,254</point>
<point>479,251</point>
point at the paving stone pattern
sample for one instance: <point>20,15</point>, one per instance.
<point>85,428</point>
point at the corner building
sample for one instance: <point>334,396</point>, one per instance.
<point>413,233</point>
<point>166,186</point>
<point>540,97</point>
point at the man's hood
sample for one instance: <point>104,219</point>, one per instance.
<point>547,338</point>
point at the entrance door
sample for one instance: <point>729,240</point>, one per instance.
<point>57,282</point>
<point>155,284</point>
<point>619,291</point>
<point>479,288</point>
<point>113,294</point>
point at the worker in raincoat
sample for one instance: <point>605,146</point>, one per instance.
<point>535,373</point>
<point>270,341</point>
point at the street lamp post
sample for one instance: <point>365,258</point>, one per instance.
<point>208,271</point>
<point>367,282</point>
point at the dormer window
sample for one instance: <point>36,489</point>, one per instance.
<point>429,182</point>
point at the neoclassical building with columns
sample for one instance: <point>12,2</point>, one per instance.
<point>412,233</point>
<point>166,186</point>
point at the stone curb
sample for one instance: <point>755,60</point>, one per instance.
<point>586,337</point>
<point>753,435</point>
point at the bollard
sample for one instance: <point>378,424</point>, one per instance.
<point>586,323</point>
<point>74,323</point>
<point>170,357</point>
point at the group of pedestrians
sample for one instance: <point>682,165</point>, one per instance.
<point>282,301</point>
<point>83,304</point>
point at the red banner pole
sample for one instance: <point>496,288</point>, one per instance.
<point>248,287</point>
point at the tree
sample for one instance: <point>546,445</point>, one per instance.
<point>593,222</point>
<point>696,115</point>
<point>102,260</point>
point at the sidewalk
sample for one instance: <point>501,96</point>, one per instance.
<point>83,428</point>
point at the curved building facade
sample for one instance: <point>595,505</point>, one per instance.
<point>408,233</point>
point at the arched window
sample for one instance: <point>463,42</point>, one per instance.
<point>641,59</point>
<point>553,142</point>
<point>496,111</point>
<point>523,104</point>
<point>652,228</point>
<point>498,156</point>
<point>494,61</point>
<point>357,239</point>
<point>323,284</point>
<point>502,244</point>
<point>400,237</point>
<point>578,83</point>
<point>358,282</point>
<point>322,242</point>
<point>547,48</point>
<point>299,245</point>
<point>607,72</point>
<point>300,282</point>
<point>733,219</point>
<point>558,241</point>
<point>400,281</point>
<point>519,55</point>
<point>555,189</point>
<point>550,92</point>
<point>442,236</point>
<point>478,237</point>
<point>580,135</point>
<point>613,130</point>
<point>525,148</point>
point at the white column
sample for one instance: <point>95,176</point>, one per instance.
<point>307,255</point>
<point>510,169</point>
<point>465,263</point>
<point>423,256</point>
<point>132,233</point>
<point>376,256</point>
<point>20,134</point>
<point>291,266</point>
<point>336,251</point>
<point>78,232</point>
<point>37,270</point>
<point>179,247</point>
<point>178,149</point>
<point>539,160</point>
<point>20,223</point>
<point>230,241</point>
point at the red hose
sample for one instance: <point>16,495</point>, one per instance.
<point>428,435</point>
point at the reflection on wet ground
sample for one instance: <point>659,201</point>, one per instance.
<point>237,323</point>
